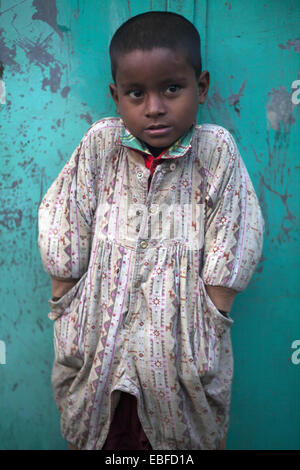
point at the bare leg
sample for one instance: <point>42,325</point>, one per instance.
<point>222,445</point>
<point>71,447</point>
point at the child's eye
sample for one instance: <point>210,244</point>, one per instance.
<point>135,93</point>
<point>173,88</point>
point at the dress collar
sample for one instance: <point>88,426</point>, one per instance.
<point>178,149</point>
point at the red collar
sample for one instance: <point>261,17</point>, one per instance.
<point>152,162</point>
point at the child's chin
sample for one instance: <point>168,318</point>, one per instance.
<point>159,141</point>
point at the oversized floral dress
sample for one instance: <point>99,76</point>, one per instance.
<point>139,319</point>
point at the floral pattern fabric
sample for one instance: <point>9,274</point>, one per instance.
<point>139,319</point>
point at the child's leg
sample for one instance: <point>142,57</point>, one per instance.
<point>71,447</point>
<point>126,432</point>
<point>222,445</point>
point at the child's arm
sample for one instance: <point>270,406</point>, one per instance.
<point>66,217</point>
<point>61,286</point>
<point>233,224</point>
<point>222,297</point>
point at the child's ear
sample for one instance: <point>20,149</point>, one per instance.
<point>203,86</point>
<point>114,93</point>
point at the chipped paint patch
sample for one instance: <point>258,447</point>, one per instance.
<point>36,51</point>
<point>279,109</point>
<point>7,55</point>
<point>234,98</point>
<point>219,111</point>
<point>11,219</point>
<point>38,54</point>
<point>87,117</point>
<point>295,43</point>
<point>63,29</point>
<point>47,12</point>
<point>65,91</point>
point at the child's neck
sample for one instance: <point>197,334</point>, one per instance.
<point>155,151</point>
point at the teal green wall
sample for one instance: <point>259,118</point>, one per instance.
<point>56,74</point>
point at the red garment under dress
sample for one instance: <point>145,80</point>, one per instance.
<point>151,163</point>
<point>126,432</point>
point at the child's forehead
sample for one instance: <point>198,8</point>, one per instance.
<point>137,55</point>
<point>164,60</point>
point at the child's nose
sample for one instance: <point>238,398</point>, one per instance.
<point>154,105</point>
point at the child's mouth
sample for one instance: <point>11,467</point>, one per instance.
<point>157,130</point>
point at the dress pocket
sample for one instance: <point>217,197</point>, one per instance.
<point>210,327</point>
<point>69,315</point>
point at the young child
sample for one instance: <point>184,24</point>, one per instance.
<point>148,232</point>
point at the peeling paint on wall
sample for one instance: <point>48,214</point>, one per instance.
<point>54,75</point>
<point>234,98</point>
<point>7,54</point>
<point>288,220</point>
<point>280,109</point>
<point>47,12</point>
<point>37,54</point>
<point>295,44</point>
<point>219,108</point>
<point>277,175</point>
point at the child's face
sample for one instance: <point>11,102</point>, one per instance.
<point>157,95</point>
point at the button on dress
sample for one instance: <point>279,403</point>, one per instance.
<point>139,319</point>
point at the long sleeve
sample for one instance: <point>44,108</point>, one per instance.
<point>66,216</point>
<point>233,223</point>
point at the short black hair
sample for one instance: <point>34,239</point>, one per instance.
<point>157,29</point>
